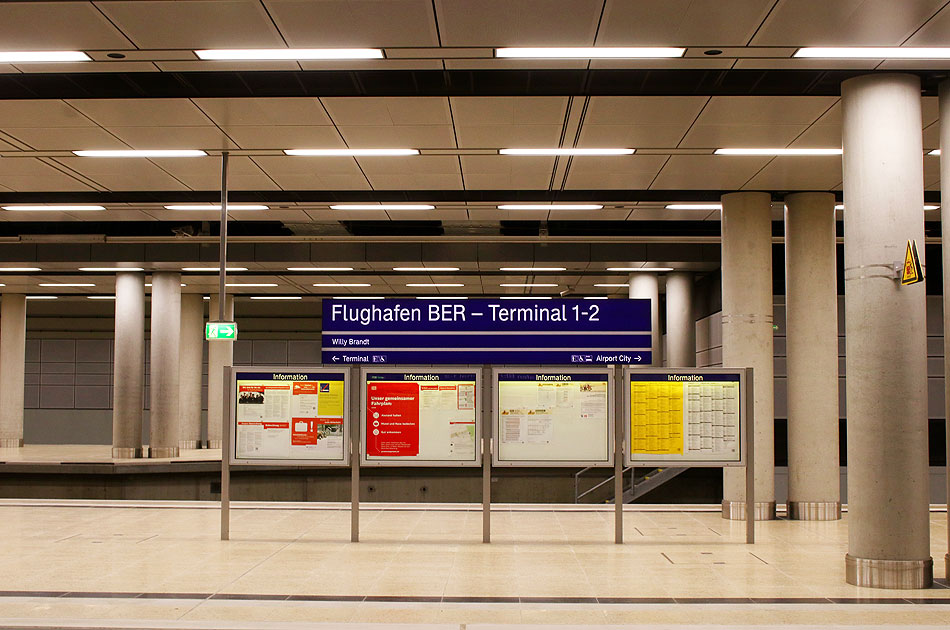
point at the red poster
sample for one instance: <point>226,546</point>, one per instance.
<point>303,432</point>
<point>392,418</point>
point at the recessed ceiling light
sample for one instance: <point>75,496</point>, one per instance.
<point>206,297</point>
<point>66,284</point>
<point>778,152</point>
<point>622,284</point>
<point>319,268</point>
<point>435,284</point>
<point>356,297</point>
<point>694,206</point>
<point>250,284</point>
<point>142,153</point>
<point>934,152</point>
<point>533,269</point>
<point>351,152</point>
<point>235,206</point>
<point>44,56</point>
<point>214,269</point>
<point>100,297</point>
<point>276,297</point>
<point>270,54</point>
<point>550,206</point>
<point>381,206</point>
<point>51,208</point>
<point>148,284</point>
<point>41,297</point>
<point>12,269</point>
<point>441,297</point>
<point>639,269</point>
<point>840,206</point>
<point>525,297</point>
<point>880,52</point>
<point>111,269</point>
<point>528,284</point>
<point>567,151</point>
<point>343,284</point>
<point>597,297</point>
<point>596,52</point>
<point>425,269</point>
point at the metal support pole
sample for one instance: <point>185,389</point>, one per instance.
<point>487,402</point>
<point>618,455</point>
<point>226,449</point>
<point>355,450</point>
<point>750,457</point>
<point>223,230</point>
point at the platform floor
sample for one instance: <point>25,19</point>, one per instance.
<point>161,564</point>
<point>93,454</point>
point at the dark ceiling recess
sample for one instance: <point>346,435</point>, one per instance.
<point>628,82</point>
<point>182,229</point>
<point>393,228</point>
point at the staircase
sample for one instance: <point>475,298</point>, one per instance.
<point>652,479</point>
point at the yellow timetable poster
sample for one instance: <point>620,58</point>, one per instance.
<point>684,416</point>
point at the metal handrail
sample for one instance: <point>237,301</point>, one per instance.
<point>578,494</point>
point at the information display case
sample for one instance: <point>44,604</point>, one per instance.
<point>420,416</point>
<point>289,416</point>
<point>551,417</point>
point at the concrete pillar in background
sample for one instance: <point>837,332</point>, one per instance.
<point>191,354</point>
<point>12,367</point>
<point>164,382</point>
<point>747,336</point>
<point>220,354</point>
<point>945,244</point>
<point>811,316</point>
<point>646,284</point>
<point>680,325</point>
<point>886,329</point>
<point>128,387</point>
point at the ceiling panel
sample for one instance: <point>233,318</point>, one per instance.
<point>226,112</point>
<point>173,137</point>
<point>66,138</point>
<point>31,174</point>
<point>399,136</point>
<point>614,172</point>
<point>518,22</point>
<point>931,171</point>
<point>194,24</point>
<point>142,112</point>
<point>372,111</point>
<point>632,121</point>
<point>739,135</point>
<point>507,172</point>
<point>844,22</point>
<point>487,122</point>
<point>707,172</point>
<point>65,26</point>
<point>417,172</point>
<point>123,174</point>
<point>681,22</point>
<point>285,137</point>
<point>755,121</point>
<point>226,66</point>
<point>204,173</point>
<point>40,113</point>
<point>516,64</point>
<point>372,23</point>
<point>799,173</point>
<point>934,32</point>
<point>308,173</point>
<point>932,136</point>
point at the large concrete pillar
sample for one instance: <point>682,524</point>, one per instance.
<point>164,383</point>
<point>646,284</point>
<point>128,389</point>
<point>945,244</point>
<point>12,366</point>
<point>886,328</point>
<point>220,354</point>
<point>680,325</point>
<point>811,316</point>
<point>747,336</point>
<point>190,358</point>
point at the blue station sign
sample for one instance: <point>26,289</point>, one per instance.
<point>559,331</point>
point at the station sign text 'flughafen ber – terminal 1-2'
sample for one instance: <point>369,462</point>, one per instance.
<point>529,331</point>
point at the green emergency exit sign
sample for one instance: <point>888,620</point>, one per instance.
<point>215,331</point>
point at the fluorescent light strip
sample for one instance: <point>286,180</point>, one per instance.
<point>623,284</point>
<point>639,269</point>
<point>934,152</point>
<point>879,52</point>
<point>66,284</point>
<point>356,297</point>
<point>351,152</point>
<point>597,297</point>
<point>548,206</point>
<point>100,297</point>
<point>293,54</point>
<point>206,297</point>
<point>148,284</point>
<point>525,297</point>
<point>566,151</point>
<point>840,206</point>
<point>694,206</point>
<point>75,208</point>
<point>142,153</point>
<point>386,206</point>
<point>218,207</point>
<point>343,284</point>
<point>2,285</point>
<point>250,284</point>
<point>11,269</point>
<point>319,268</point>
<point>596,52</point>
<point>778,152</point>
<point>529,284</point>
<point>434,284</point>
<point>425,269</point>
<point>276,297</point>
<point>41,297</point>
<point>440,297</point>
<point>42,56</point>
<point>111,269</point>
<point>533,269</point>
<point>214,269</point>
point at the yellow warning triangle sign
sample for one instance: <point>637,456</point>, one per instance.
<point>912,273</point>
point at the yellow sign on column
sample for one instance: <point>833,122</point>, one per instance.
<point>912,273</point>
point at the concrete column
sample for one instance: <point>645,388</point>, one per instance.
<point>190,357</point>
<point>647,285</point>
<point>886,328</point>
<point>128,389</point>
<point>164,392</point>
<point>220,354</point>
<point>12,366</point>
<point>680,325</point>
<point>945,229</point>
<point>747,336</point>
<point>811,315</point>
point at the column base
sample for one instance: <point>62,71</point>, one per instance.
<point>735,510</point>
<point>814,510</point>
<point>213,444</point>
<point>11,442</point>
<point>898,574</point>
<point>189,444</point>
<point>130,452</point>
<point>163,452</point>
